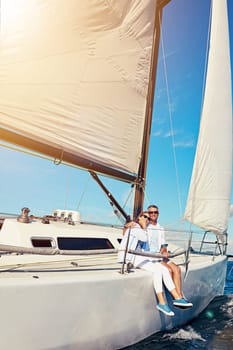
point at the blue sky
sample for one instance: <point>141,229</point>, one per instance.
<point>43,186</point>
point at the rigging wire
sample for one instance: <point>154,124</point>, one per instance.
<point>83,192</point>
<point>147,198</point>
<point>129,198</point>
<point>171,122</point>
<point>204,75</point>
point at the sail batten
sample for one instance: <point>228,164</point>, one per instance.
<point>208,204</point>
<point>74,76</point>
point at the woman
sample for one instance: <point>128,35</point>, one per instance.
<point>137,238</point>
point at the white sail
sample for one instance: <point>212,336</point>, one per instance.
<point>74,76</point>
<point>208,204</point>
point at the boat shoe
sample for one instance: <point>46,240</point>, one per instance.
<point>165,309</point>
<point>182,303</point>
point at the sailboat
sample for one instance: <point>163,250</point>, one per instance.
<point>72,75</point>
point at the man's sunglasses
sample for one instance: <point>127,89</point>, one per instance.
<point>153,212</point>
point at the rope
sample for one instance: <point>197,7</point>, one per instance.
<point>59,161</point>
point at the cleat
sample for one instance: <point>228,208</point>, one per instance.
<point>165,309</point>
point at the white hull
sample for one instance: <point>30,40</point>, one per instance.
<point>59,305</point>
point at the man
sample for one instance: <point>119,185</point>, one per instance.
<point>157,244</point>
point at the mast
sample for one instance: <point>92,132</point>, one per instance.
<point>140,182</point>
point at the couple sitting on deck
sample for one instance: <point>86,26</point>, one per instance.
<point>147,235</point>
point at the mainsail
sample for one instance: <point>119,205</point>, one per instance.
<point>75,77</point>
<point>208,204</point>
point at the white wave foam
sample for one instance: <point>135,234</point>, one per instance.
<point>228,307</point>
<point>185,334</point>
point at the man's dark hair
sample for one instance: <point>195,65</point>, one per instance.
<point>152,206</point>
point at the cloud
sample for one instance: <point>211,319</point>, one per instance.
<point>157,133</point>
<point>178,141</point>
<point>184,144</point>
<point>170,133</point>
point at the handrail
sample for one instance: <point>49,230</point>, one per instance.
<point>157,256</point>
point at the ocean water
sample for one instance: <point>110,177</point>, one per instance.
<point>212,330</point>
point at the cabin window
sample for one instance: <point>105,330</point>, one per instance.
<point>83,243</point>
<point>43,242</point>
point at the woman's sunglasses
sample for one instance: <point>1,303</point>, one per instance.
<point>146,217</point>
